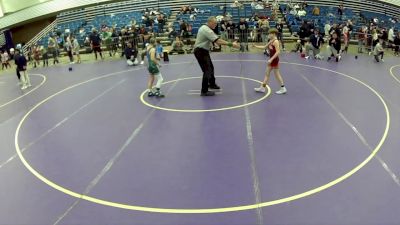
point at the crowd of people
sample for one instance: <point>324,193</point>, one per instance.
<point>132,41</point>
<point>371,39</point>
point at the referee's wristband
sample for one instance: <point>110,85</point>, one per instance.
<point>230,44</point>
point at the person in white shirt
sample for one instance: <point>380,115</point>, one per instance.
<point>4,60</point>
<point>301,12</point>
<point>327,28</point>
<point>391,36</point>
<point>378,51</point>
<point>346,37</point>
<point>75,48</point>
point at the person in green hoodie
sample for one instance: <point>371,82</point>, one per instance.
<point>107,39</point>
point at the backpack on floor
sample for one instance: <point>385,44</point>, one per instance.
<point>166,59</point>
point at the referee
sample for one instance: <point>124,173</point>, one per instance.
<point>205,38</point>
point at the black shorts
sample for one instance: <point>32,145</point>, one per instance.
<point>96,48</point>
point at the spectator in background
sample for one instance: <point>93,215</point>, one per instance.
<point>327,29</point>
<point>304,5</point>
<point>36,55</point>
<point>68,48</point>
<point>107,39</point>
<point>177,46</point>
<point>231,30</point>
<point>335,29</point>
<point>396,43</point>
<point>375,21</point>
<point>334,47</point>
<point>293,12</point>
<point>316,11</point>
<point>12,53</point>
<point>52,46</point>
<point>296,6</point>
<point>161,23</point>
<point>131,55</point>
<point>95,43</point>
<point>391,37</point>
<point>20,62</point>
<point>301,13</point>
<point>378,50</point>
<point>149,21</point>
<point>340,10</point>
<point>303,33</point>
<point>75,48</point>
<point>193,17</point>
<point>362,39</point>
<point>159,50</point>
<point>4,60</point>
<point>315,44</point>
<point>114,38</point>
<point>171,31</point>
<point>375,37</point>
<point>350,26</point>
<point>224,34</point>
<point>346,37</point>
<point>264,27</point>
<point>144,36</point>
<point>384,36</point>
<point>183,29</point>
<point>243,28</point>
<point>45,56</point>
<point>237,4</point>
<point>253,4</point>
<point>279,27</point>
<point>297,47</point>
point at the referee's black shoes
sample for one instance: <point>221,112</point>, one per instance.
<point>208,93</point>
<point>215,87</point>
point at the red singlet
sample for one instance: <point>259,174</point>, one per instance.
<point>272,51</point>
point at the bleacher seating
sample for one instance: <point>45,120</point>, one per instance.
<point>107,14</point>
<point>384,20</point>
<point>328,14</point>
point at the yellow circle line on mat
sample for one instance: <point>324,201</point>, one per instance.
<point>392,74</point>
<point>206,110</point>
<point>27,93</point>
<point>206,210</point>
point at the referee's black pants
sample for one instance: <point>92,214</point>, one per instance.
<point>204,60</point>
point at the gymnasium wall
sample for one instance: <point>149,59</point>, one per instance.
<point>10,6</point>
<point>24,33</point>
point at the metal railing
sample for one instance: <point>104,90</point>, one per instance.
<point>40,35</point>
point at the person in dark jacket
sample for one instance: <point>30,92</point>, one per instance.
<point>95,43</point>
<point>279,27</point>
<point>20,62</point>
<point>131,55</point>
<point>334,47</point>
<point>315,44</point>
<point>303,34</point>
<point>396,43</point>
<point>243,28</point>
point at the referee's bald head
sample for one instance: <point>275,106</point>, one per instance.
<point>212,22</point>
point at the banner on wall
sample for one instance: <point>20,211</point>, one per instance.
<point>6,39</point>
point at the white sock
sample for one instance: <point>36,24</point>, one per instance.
<point>159,80</point>
<point>23,81</point>
<point>28,81</point>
